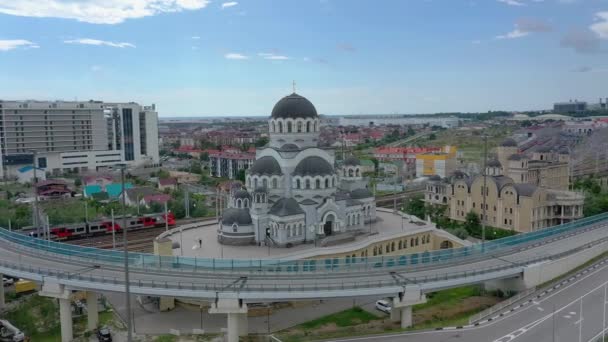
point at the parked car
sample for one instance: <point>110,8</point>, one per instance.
<point>383,306</point>
<point>104,335</point>
<point>8,281</point>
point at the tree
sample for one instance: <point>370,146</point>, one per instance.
<point>162,174</point>
<point>240,175</point>
<point>262,141</point>
<point>204,156</point>
<point>416,207</point>
<point>472,224</point>
<point>77,182</point>
<point>432,136</point>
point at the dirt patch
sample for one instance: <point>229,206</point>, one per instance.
<point>442,312</point>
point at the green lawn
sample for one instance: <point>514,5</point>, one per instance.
<point>344,318</point>
<point>449,297</point>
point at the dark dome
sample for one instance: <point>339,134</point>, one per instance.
<point>361,193</point>
<point>312,166</point>
<point>509,143</point>
<point>352,161</point>
<point>294,106</point>
<point>290,147</point>
<point>266,166</point>
<point>242,194</point>
<point>286,207</point>
<point>543,149</point>
<point>494,163</point>
<point>435,178</point>
<point>516,157</point>
<point>564,150</point>
<point>238,216</point>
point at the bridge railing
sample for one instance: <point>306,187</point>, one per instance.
<point>412,261</point>
<point>218,284</point>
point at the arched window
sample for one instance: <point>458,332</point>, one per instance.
<point>393,246</point>
<point>299,126</point>
<point>388,248</point>
<point>297,183</point>
<point>288,126</point>
<point>326,182</point>
<point>318,184</point>
<point>315,126</point>
<point>255,182</point>
<point>280,127</point>
<point>275,183</point>
<point>350,172</point>
<point>375,251</point>
<point>357,172</point>
<point>308,126</point>
<point>400,244</point>
<point>274,127</point>
<point>265,182</point>
<point>308,184</point>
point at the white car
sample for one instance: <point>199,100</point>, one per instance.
<point>8,281</point>
<point>383,306</point>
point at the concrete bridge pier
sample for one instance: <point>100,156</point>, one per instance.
<point>237,316</point>
<point>402,306</point>
<point>92,311</point>
<point>2,304</point>
<point>54,290</point>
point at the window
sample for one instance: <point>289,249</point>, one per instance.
<point>297,183</point>
<point>327,183</point>
<point>308,184</point>
<point>289,127</point>
<point>318,184</point>
<point>275,183</point>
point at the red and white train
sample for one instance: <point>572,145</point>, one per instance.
<point>101,227</point>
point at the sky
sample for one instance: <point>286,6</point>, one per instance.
<point>232,58</point>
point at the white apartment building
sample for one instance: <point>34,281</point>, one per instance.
<point>76,136</point>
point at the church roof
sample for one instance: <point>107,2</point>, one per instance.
<point>286,207</point>
<point>494,163</point>
<point>312,166</point>
<point>238,216</point>
<point>242,194</point>
<point>294,106</point>
<point>352,161</point>
<point>361,193</point>
<point>509,143</point>
<point>266,166</point>
<point>289,147</point>
<point>525,189</point>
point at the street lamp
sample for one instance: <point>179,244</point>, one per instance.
<point>35,218</point>
<point>125,244</point>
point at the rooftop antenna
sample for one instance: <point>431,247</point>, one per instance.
<point>293,84</point>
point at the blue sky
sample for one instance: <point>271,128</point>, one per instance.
<point>198,57</point>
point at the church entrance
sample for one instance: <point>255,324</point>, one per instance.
<point>329,225</point>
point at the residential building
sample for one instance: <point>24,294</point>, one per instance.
<point>185,177</point>
<point>521,207</point>
<point>144,196</point>
<point>569,107</point>
<point>395,119</point>
<point>52,189</point>
<point>76,136</point>
<point>441,163</point>
<point>167,184</point>
<point>404,158</point>
<point>228,163</point>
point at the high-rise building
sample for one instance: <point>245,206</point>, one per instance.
<point>76,136</point>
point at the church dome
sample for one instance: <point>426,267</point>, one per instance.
<point>352,161</point>
<point>289,147</point>
<point>494,163</point>
<point>238,216</point>
<point>294,106</point>
<point>265,166</point>
<point>509,143</point>
<point>286,207</point>
<point>242,194</point>
<point>313,166</point>
<point>361,193</point>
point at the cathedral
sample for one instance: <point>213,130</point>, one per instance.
<point>295,193</point>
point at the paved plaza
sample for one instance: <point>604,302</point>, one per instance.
<point>202,242</point>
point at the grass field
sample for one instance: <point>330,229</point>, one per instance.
<point>344,318</point>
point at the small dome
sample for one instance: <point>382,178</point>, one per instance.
<point>312,166</point>
<point>494,163</point>
<point>509,143</point>
<point>352,161</point>
<point>564,150</point>
<point>238,216</point>
<point>266,166</point>
<point>435,178</point>
<point>289,147</point>
<point>543,149</point>
<point>242,194</point>
<point>294,106</point>
<point>459,174</point>
<point>516,157</point>
<point>361,193</point>
<point>286,207</point>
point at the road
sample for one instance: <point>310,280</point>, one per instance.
<point>555,317</point>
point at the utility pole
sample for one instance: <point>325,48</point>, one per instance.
<point>125,244</point>
<point>166,218</point>
<point>35,216</point>
<point>113,231</point>
<point>485,191</point>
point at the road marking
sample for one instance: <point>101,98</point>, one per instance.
<point>572,313</point>
<point>568,317</point>
<point>540,309</point>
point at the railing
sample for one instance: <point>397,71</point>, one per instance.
<point>498,307</point>
<point>204,287</point>
<point>327,265</point>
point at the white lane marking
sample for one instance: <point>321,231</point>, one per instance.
<point>572,313</point>
<point>540,309</point>
<point>568,317</point>
<point>577,322</point>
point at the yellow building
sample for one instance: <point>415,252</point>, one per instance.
<point>436,163</point>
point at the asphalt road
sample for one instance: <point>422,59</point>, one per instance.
<point>555,317</point>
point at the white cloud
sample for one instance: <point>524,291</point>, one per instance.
<point>601,27</point>
<point>272,56</point>
<point>525,26</point>
<point>237,56</point>
<point>512,2</point>
<point>96,68</point>
<point>97,11</point>
<point>517,33</point>
<point>89,41</point>
<point>11,44</point>
<point>196,37</point>
<point>229,4</point>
